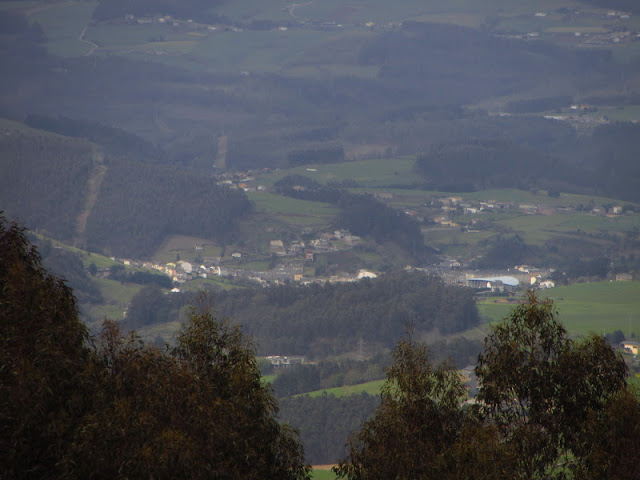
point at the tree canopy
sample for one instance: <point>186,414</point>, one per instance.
<point>548,407</point>
<point>118,408</point>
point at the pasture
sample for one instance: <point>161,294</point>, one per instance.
<point>599,307</point>
<point>371,388</point>
<point>184,247</point>
<point>293,211</point>
<point>378,172</point>
<point>322,472</point>
<point>537,229</point>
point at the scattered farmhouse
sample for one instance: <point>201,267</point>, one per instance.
<point>630,347</point>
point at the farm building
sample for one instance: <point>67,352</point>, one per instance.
<point>495,284</point>
<point>630,347</point>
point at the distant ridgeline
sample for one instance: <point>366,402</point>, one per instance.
<point>68,188</point>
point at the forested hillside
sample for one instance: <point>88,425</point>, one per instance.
<point>72,190</point>
<point>326,320</point>
<point>140,204</point>
<point>43,179</point>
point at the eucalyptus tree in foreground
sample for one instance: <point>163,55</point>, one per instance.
<point>124,409</point>
<point>549,407</point>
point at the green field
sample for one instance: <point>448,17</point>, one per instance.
<point>599,307</point>
<point>293,211</point>
<point>371,388</point>
<point>367,173</point>
<point>322,474</point>
<point>185,247</point>
<point>536,229</point>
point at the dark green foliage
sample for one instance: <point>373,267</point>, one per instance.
<point>140,204</point>
<point>45,363</point>
<point>43,180</point>
<point>150,306</point>
<point>199,411</point>
<point>363,215</point>
<point>418,420</point>
<point>126,409</point>
<point>548,408</point>
<point>68,266</point>
<point>17,24</point>
<point>614,153</point>
<point>614,338</point>
<point>303,378</point>
<point>506,252</point>
<point>318,321</point>
<point>119,273</point>
<point>114,140</point>
<point>326,421</point>
<point>540,388</point>
<point>47,179</point>
<point>482,164</point>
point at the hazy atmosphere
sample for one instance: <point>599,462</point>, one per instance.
<point>330,198</point>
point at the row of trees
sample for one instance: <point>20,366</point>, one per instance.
<point>548,408</point>
<point>117,408</point>
<point>326,320</point>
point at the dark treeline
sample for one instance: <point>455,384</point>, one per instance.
<point>576,259</point>
<point>603,163</point>
<point>115,140</point>
<point>361,215</point>
<point>12,23</point>
<point>326,320</point>
<point>531,105</point>
<point>150,306</point>
<point>325,422</point>
<point>141,277</point>
<point>308,377</point>
<point>483,164</point>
